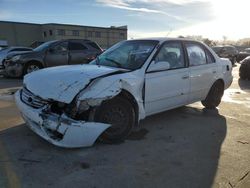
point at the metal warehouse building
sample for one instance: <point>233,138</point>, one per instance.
<point>30,34</point>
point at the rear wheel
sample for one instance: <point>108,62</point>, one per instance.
<point>118,112</point>
<point>214,96</point>
<point>31,67</point>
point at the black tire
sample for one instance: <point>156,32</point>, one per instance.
<point>120,113</point>
<point>214,96</point>
<point>27,68</point>
<point>243,72</point>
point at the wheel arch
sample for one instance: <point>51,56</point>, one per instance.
<point>221,81</point>
<point>34,61</point>
<point>213,97</point>
<point>128,96</point>
<point>30,62</point>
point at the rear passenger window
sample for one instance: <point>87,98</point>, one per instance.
<point>210,57</point>
<point>76,46</point>
<point>196,54</point>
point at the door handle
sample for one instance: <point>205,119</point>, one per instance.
<point>214,71</point>
<point>185,77</point>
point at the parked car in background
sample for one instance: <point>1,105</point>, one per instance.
<point>228,51</point>
<point>242,55</point>
<point>11,50</point>
<point>244,71</point>
<point>71,106</point>
<point>52,53</point>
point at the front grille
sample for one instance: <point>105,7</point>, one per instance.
<point>30,99</point>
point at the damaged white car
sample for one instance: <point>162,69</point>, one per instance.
<point>72,106</point>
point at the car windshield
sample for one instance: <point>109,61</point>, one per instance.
<point>247,50</point>
<point>43,46</point>
<point>127,54</point>
<point>216,49</point>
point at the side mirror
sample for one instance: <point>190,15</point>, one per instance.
<point>158,66</point>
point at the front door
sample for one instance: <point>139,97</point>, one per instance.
<point>57,55</point>
<point>167,89</point>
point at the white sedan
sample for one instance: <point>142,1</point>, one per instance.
<point>72,106</point>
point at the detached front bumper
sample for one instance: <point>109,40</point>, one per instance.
<point>60,130</point>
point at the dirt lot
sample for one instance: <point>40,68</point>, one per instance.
<point>186,147</point>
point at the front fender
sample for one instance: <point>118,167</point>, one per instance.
<point>109,87</point>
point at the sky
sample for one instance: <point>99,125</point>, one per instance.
<point>145,18</point>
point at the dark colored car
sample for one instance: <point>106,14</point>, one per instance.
<point>242,55</point>
<point>52,53</point>
<point>245,69</point>
<point>10,51</point>
<point>228,51</point>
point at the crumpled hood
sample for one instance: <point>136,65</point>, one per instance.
<point>11,54</point>
<point>63,83</point>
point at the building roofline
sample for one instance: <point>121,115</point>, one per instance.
<point>74,25</point>
<point>13,22</point>
<point>98,27</point>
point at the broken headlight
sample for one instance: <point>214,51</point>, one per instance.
<point>57,107</point>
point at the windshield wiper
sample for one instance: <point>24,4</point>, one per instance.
<point>115,62</point>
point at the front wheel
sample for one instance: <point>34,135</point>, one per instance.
<point>118,112</point>
<point>214,96</point>
<point>31,67</point>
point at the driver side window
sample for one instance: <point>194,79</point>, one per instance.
<point>171,52</point>
<point>62,47</point>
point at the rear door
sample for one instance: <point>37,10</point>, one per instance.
<point>78,53</point>
<point>167,89</point>
<point>202,70</point>
<point>57,55</point>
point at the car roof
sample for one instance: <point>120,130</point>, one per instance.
<point>82,40</point>
<point>217,46</point>
<point>230,46</point>
<point>163,39</point>
<point>223,46</point>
